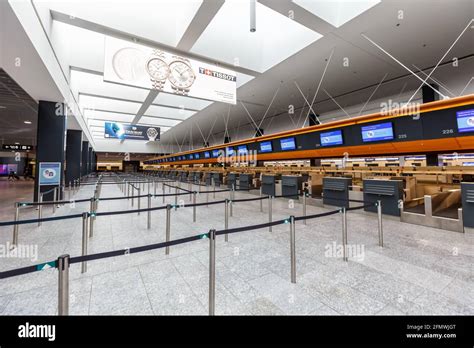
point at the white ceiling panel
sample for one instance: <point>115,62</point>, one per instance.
<point>181,101</point>
<point>110,116</point>
<point>163,21</point>
<point>94,84</point>
<point>108,104</point>
<point>161,111</point>
<point>336,12</point>
<point>158,121</point>
<point>228,37</point>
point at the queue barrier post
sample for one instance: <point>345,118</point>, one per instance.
<point>176,199</point>
<point>85,217</point>
<point>304,206</point>
<point>190,187</point>
<point>133,193</point>
<point>270,217</point>
<point>212,272</point>
<point>139,191</point>
<point>69,191</point>
<point>149,212</point>
<point>194,206</point>
<point>91,220</point>
<point>213,188</point>
<point>163,187</point>
<point>226,220</point>
<point>379,218</point>
<point>63,284</point>
<point>293,248</point>
<point>344,234</point>
<point>232,196</point>
<point>261,201</point>
<point>15,226</point>
<point>168,227</point>
<point>40,208</point>
<point>55,194</point>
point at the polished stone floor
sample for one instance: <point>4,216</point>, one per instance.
<point>420,270</point>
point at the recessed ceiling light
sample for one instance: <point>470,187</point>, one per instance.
<point>2,107</point>
<point>17,143</point>
<point>27,122</point>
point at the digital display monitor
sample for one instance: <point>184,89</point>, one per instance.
<point>288,144</point>
<point>377,132</point>
<point>215,153</point>
<point>196,156</point>
<point>465,120</point>
<point>468,164</point>
<point>242,150</point>
<point>229,151</point>
<point>207,154</point>
<point>266,146</point>
<point>331,138</point>
<point>191,156</point>
<point>3,169</point>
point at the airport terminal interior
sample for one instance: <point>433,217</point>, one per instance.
<point>237,157</point>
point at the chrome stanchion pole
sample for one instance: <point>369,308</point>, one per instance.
<point>261,201</point>
<point>379,217</point>
<point>40,208</point>
<point>304,206</point>
<point>63,284</point>
<point>133,193</point>
<point>190,189</point>
<point>154,186</point>
<point>163,187</point>
<point>226,220</point>
<point>168,227</point>
<point>69,192</point>
<point>91,219</point>
<point>194,206</point>
<point>232,196</point>
<point>176,199</point>
<point>149,212</point>
<point>213,188</point>
<point>270,218</point>
<point>293,249</point>
<point>139,190</point>
<point>15,227</point>
<point>344,234</point>
<point>85,216</point>
<point>207,196</point>
<point>55,194</point>
<point>212,272</point>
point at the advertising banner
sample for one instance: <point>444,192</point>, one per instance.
<point>130,131</point>
<point>146,67</point>
<point>49,173</point>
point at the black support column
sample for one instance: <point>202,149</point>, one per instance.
<point>89,166</point>
<point>73,155</point>
<point>51,134</point>
<point>85,157</point>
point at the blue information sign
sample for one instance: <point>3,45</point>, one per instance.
<point>49,173</point>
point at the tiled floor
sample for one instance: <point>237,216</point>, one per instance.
<point>419,271</point>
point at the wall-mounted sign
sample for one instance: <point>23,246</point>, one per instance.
<point>17,147</point>
<point>49,173</point>
<point>146,67</point>
<point>130,131</point>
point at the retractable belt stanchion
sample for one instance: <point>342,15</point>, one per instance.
<point>304,206</point>
<point>207,196</point>
<point>190,188</point>
<point>91,219</point>
<point>212,272</point>
<point>154,186</point>
<point>85,237</point>
<point>133,193</point>
<point>176,199</point>
<point>163,187</point>
<point>168,227</point>
<point>139,190</point>
<point>270,218</point>
<point>15,227</point>
<point>226,220</point>
<point>293,249</point>
<point>55,193</point>
<point>213,188</point>
<point>149,212</point>
<point>232,197</point>
<point>69,192</point>
<point>261,201</point>
<point>344,233</point>
<point>63,284</point>
<point>194,206</point>
<point>379,217</point>
<point>40,208</point>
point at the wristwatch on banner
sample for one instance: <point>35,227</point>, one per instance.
<point>157,69</point>
<point>181,75</point>
<point>152,133</point>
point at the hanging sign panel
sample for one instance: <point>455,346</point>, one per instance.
<point>129,131</point>
<point>49,173</point>
<point>146,67</point>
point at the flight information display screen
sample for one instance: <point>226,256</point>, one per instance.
<point>266,146</point>
<point>288,144</point>
<point>229,151</point>
<point>207,154</point>
<point>215,153</point>
<point>377,132</point>
<point>196,156</point>
<point>190,156</point>
<point>465,119</point>
<point>331,138</point>
<point>242,149</point>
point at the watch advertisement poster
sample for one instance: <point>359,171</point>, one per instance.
<point>142,66</point>
<point>49,173</point>
<point>130,131</point>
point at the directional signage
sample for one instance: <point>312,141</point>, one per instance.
<point>49,173</point>
<point>130,131</point>
<point>17,147</point>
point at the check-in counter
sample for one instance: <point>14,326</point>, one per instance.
<point>232,180</point>
<point>336,191</point>
<point>467,194</point>
<point>245,181</point>
<point>389,192</point>
<point>270,182</point>
<point>291,185</point>
<point>217,178</point>
<point>207,177</point>
<point>197,177</point>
